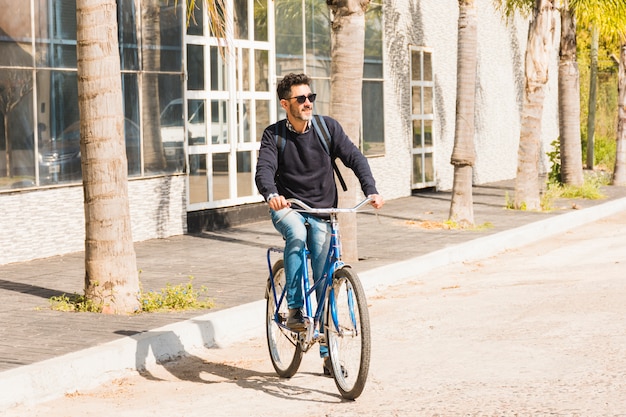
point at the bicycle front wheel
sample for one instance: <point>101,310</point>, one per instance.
<point>348,333</point>
<point>285,351</point>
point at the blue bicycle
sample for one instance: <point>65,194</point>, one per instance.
<point>340,320</point>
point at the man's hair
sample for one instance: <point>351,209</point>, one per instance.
<point>284,86</point>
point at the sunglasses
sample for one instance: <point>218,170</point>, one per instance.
<point>302,99</point>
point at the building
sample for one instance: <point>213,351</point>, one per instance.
<point>195,112</point>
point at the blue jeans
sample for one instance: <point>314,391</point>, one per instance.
<point>298,228</point>
<point>293,226</point>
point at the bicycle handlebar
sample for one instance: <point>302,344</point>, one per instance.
<point>306,208</point>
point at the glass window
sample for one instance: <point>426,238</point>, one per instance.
<point>260,20</point>
<point>245,181</point>
<point>373,64</point>
<point>243,70</point>
<point>15,34</point>
<point>127,23</point>
<point>373,119</point>
<point>243,121</point>
<point>422,116</point>
<point>59,150</point>
<point>241,19</point>
<point>43,135</point>
<point>317,35</point>
<point>220,180</point>
<point>262,117</point>
<point>261,60</point>
<point>163,127</point>
<point>195,20</point>
<point>17,138</point>
<point>219,122</point>
<point>55,31</point>
<point>198,180</point>
<point>161,35</point>
<point>196,111</point>
<point>219,72</point>
<point>195,67</point>
<point>289,35</point>
<point>131,123</point>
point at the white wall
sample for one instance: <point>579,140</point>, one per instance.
<point>500,83</point>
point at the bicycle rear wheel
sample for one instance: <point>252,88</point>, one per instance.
<point>348,338</point>
<point>285,351</point>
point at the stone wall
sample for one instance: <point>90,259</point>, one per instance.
<point>42,223</point>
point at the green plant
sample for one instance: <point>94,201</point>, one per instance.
<point>175,297</point>
<point>554,176</point>
<point>172,297</point>
<point>74,302</point>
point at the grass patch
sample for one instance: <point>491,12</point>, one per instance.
<point>176,297</point>
<point>171,298</point>
<point>449,225</point>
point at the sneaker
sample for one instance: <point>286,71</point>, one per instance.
<point>328,368</point>
<point>295,321</point>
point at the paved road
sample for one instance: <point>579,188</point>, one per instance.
<point>536,331</point>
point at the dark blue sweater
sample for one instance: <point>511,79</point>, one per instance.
<point>305,171</point>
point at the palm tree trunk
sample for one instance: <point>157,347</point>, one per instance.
<point>569,102</point>
<point>463,154</point>
<point>541,41</point>
<point>111,276</point>
<point>593,97</point>
<point>346,75</point>
<point>619,173</point>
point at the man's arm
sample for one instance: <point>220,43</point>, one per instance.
<point>352,157</point>
<point>267,165</point>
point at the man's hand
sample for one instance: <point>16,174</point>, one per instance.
<point>278,202</point>
<point>377,200</point>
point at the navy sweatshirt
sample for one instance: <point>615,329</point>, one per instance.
<point>305,171</point>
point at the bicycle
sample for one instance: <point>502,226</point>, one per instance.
<point>340,319</point>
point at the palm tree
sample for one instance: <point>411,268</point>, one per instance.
<point>619,173</point>
<point>569,100</point>
<point>541,41</point>
<point>346,74</point>
<point>111,276</point>
<point>463,154</point>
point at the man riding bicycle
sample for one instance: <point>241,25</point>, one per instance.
<point>294,163</point>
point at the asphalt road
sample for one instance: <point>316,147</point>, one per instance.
<point>536,331</point>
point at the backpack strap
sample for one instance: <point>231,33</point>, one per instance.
<point>323,135</point>
<point>280,139</point>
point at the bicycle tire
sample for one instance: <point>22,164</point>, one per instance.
<point>349,347</point>
<point>285,351</point>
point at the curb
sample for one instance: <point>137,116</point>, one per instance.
<point>89,368</point>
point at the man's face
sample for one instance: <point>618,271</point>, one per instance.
<point>298,111</point>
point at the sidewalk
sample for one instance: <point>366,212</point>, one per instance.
<point>44,353</point>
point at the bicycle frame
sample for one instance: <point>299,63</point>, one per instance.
<point>323,285</point>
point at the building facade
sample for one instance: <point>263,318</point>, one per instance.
<point>195,110</point>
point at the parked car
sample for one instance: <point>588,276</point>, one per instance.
<point>59,158</point>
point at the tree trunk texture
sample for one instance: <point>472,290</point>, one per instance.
<point>569,103</point>
<point>619,173</point>
<point>463,154</point>
<point>541,41</point>
<point>111,276</point>
<point>346,83</point>
<point>593,98</point>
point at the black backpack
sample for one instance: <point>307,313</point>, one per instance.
<point>323,134</point>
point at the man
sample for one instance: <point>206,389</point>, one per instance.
<point>300,167</point>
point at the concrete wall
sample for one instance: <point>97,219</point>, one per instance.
<point>42,223</point>
<point>500,84</point>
